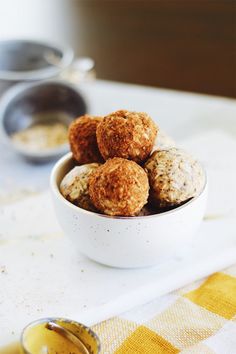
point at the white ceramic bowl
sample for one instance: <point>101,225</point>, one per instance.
<point>127,242</point>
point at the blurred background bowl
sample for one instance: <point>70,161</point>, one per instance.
<point>46,102</point>
<point>28,60</point>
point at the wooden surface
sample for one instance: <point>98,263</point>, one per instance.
<point>186,45</point>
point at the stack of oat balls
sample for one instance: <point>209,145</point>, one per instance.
<point>126,166</point>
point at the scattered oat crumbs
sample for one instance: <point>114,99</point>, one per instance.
<point>3,269</point>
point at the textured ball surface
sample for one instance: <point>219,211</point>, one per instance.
<point>125,134</point>
<point>83,141</point>
<point>119,187</point>
<point>174,177</point>
<point>74,186</point>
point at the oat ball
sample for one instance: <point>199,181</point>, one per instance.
<point>119,187</point>
<point>174,177</point>
<point>74,186</point>
<point>163,141</point>
<point>83,141</point>
<point>125,134</point>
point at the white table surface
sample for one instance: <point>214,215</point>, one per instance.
<point>206,126</point>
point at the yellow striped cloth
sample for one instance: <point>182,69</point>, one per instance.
<point>198,319</point>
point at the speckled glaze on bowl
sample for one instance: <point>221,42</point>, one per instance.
<point>127,242</point>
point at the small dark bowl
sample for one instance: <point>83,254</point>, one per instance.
<point>23,102</point>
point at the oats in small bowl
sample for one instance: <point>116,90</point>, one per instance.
<point>35,118</point>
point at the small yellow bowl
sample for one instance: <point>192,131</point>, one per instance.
<point>38,338</point>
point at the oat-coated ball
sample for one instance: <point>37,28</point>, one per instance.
<point>163,141</point>
<point>74,186</point>
<point>174,177</point>
<point>119,187</point>
<point>125,134</point>
<point>83,141</point>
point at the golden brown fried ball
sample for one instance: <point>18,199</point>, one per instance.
<point>83,141</point>
<point>125,134</point>
<point>174,177</point>
<point>119,187</point>
<point>74,186</point>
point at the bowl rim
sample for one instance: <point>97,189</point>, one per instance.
<point>43,73</point>
<point>56,191</point>
<point>22,87</point>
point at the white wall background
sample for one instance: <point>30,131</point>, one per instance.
<point>36,19</point>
